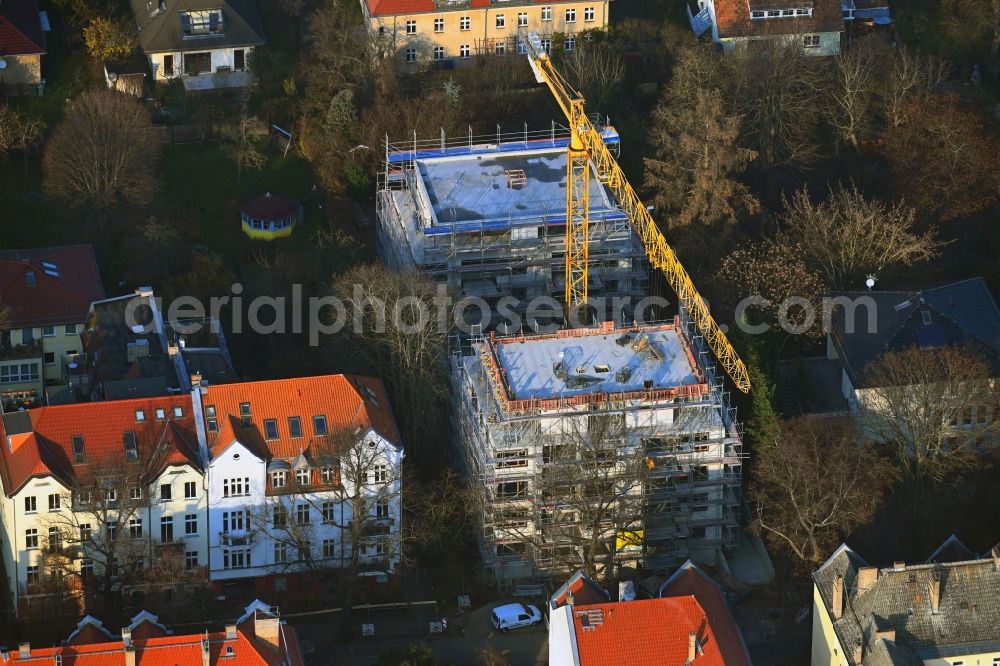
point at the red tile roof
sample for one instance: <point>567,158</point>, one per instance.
<point>647,632</point>
<point>403,7</point>
<point>346,401</point>
<point>55,299</point>
<point>585,591</point>
<point>691,581</point>
<point>42,443</point>
<point>733,18</point>
<point>20,28</point>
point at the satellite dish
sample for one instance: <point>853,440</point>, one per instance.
<point>870,282</point>
<point>3,64</point>
<point>112,77</point>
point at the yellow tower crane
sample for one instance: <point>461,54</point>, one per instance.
<point>586,147</point>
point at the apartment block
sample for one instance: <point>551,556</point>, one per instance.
<point>450,32</point>
<point>617,436</point>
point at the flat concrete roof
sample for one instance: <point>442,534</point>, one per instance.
<point>594,363</point>
<point>473,188</point>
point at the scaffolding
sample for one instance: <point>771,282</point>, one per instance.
<point>677,463</point>
<point>490,254</point>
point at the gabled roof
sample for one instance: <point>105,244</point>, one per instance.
<point>59,295</point>
<point>951,550</point>
<point>39,442</point>
<point>348,403</point>
<point>160,25</point>
<point>647,632</point>
<point>961,313</point>
<point>689,580</point>
<point>583,589</point>
<point>21,32</point>
<point>733,18</point>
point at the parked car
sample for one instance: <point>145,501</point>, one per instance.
<point>512,616</point>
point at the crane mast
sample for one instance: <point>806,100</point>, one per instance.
<point>587,147</point>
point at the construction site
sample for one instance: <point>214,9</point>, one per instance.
<point>486,215</point>
<point>610,445</point>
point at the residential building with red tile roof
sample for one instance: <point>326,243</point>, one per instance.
<point>22,45</point>
<point>450,32</point>
<point>47,292</point>
<point>816,24</point>
<point>84,483</point>
<point>302,471</point>
<point>259,638</point>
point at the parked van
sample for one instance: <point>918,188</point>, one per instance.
<point>512,616</point>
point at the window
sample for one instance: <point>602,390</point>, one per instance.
<point>280,552</point>
<point>31,538</point>
<point>86,568</point>
<point>302,514</point>
<point>280,516</point>
<point>190,560</point>
<point>167,529</point>
<point>201,23</point>
<point>329,548</point>
<point>111,495</point>
<point>213,422</point>
<point>381,550</point>
<point>319,422</point>
<point>71,329</point>
<point>271,425</point>
<point>135,493</point>
<point>239,60</point>
<point>438,55</point>
<point>522,19</point>
<point>501,48</point>
<point>191,523</point>
<point>570,16</point>
<point>19,372</point>
<point>234,521</point>
<point>501,21</point>
<point>49,358</point>
<point>547,45</point>
<point>85,532</point>
<point>570,43</point>
<point>33,574</point>
<point>111,527</point>
<point>55,539</point>
<point>168,66</point>
<point>411,55</point>
<point>236,559</point>
<point>381,509</point>
<point>48,331</point>
<point>30,279</point>
<point>178,412</point>
<point>294,426</point>
<point>588,14</point>
<point>140,415</point>
<point>131,450</point>
<point>245,416</point>
<point>464,50</point>
<point>411,27</point>
<point>328,474</point>
<point>546,13</point>
<point>327,508</point>
<point>135,527</point>
<point>279,479</point>
<point>238,487</point>
<point>804,12</point>
<point>439,25</point>
<point>190,490</point>
<point>380,473</point>
<point>810,41</point>
<point>166,492</point>
<point>302,476</point>
<point>30,504</point>
<point>465,23</point>
<point>79,455</point>
<point>160,414</point>
<point>54,502</point>
<point>27,336</point>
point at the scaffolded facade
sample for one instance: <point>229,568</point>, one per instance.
<point>670,471</point>
<point>486,216</point>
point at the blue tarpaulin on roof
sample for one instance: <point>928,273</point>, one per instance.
<point>880,15</point>
<point>700,22</point>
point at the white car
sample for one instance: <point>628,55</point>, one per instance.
<point>512,616</point>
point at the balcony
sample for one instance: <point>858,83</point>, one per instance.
<point>31,350</point>
<point>235,538</point>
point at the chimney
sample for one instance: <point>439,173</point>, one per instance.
<point>230,632</point>
<point>838,597</point>
<point>172,350</point>
<point>267,629</point>
<point>867,577</point>
<point>692,649</point>
<point>889,635</point>
<point>899,566</point>
<point>935,593</point>
<point>205,654</point>
<point>126,636</point>
<point>195,379</point>
<point>24,650</point>
<point>569,598</point>
<point>129,655</point>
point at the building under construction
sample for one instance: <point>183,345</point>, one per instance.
<point>620,438</point>
<point>487,217</point>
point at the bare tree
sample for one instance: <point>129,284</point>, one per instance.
<point>242,144</point>
<point>814,482</point>
<point>935,409</point>
<point>19,133</point>
<point>848,235</point>
<point>852,89</point>
<point>909,78</point>
<point>596,69</point>
<point>104,152</point>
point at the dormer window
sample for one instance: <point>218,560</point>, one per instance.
<point>202,23</point>
<point>79,455</point>
<point>302,476</point>
<point>245,414</point>
<point>30,279</point>
<point>131,450</point>
<point>160,414</point>
<point>213,422</point>
<point>140,415</point>
<point>271,428</point>
<point>925,316</point>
